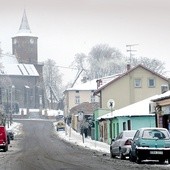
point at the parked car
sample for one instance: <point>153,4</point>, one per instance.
<point>60,125</point>
<point>150,144</point>
<point>11,134</point>
<point>3,139</point>
<point>121,145</point>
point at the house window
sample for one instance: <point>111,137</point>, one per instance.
<point>137,83</point>
<point>129,124</point>
<point>77,99</point>
<point>92,99</point>
<point>124,125</point>
<point>151,82</point>
<point>117,128</point>
<point>77,91</point>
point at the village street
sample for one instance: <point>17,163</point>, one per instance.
<point>38,145</point>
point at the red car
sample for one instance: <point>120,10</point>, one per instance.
<point>3,139</point>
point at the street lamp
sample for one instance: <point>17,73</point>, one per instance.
<point>12,87</point>
<point>27,88</point>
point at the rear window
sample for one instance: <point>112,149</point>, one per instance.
<point>155,133</point>
<point>129,133</point>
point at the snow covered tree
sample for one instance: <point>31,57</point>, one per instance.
<point>52,81</point>
<point>153,64</point>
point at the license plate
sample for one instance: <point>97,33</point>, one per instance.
<point>156,152</point>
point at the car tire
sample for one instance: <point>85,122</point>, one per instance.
<point>168,160</point>
<point>161,161</point>
<point>5,148</point>
<point>131,157</point>
<point>122,157</point>
<point>138,160</point>
<point>111,154</point>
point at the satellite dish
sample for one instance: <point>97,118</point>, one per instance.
<point>110,104</point>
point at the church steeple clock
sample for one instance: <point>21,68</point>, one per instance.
<point>24,44</point>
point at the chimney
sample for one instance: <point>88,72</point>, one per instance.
<point>128,67</point>
<point>99,83</point>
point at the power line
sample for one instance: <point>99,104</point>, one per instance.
<point>67,67</point>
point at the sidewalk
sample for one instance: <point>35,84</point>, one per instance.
<point>76,138</point>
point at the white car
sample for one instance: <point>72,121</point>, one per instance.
<point>122,144</point>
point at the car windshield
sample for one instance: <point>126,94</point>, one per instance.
<point>129,133</point>
<point>155,133</point>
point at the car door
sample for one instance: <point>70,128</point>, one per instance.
<point>135,142</point>
<point>117,144</point>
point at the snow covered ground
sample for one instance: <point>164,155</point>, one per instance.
<point>76,138</point>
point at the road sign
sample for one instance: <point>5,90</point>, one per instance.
<point>110,104</point>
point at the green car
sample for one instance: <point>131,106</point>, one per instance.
<point>150,144</point>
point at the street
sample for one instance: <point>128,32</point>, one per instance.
<point>39,148</point>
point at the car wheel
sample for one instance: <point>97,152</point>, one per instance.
<point>122,157</point>
<point>131,157</point>
<point>168,160</point>
<point>5,148</point>
<point>138,160</point>
<point>161,161</point>
<point>111,154</point>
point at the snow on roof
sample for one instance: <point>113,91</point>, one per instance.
<point>108,79</point>
<point>54,112</point>
<point>89,85</point>
<point>24,34</point>
<point>19,69</point>
<point>92,84</point>
<point>162,96</point>
<point>24,29</point>
<point>8,59</point>
<point>140,108</point>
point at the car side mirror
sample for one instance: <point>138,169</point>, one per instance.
<point>113,139</point>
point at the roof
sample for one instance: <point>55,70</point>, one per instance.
<point>89,85</point>
<point>126,73</point>
<point>24,29</point>
<point>10,66</point>
<point>92,84</point>
<point>19,70</point>
<point>8,59</point>
<point>140,108</point>
<point>163,96</point>
<point>86,107</point>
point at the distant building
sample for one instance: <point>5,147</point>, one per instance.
<point>78,94</point>
<point>21,79</point>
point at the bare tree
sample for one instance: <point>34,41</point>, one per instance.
<point>52,81</point>
<point>104,60</point>
<point>153,64</point>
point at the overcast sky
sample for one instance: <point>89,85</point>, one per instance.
<point>67,27</point>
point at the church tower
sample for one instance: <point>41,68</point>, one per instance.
<point>24,44</point>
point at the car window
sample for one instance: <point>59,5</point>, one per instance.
<point>155,133</point>
<point>136,135</point>
<point>119,136</point>
<point>129,133</point>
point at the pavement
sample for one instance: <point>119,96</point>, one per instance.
<point>73,137</point>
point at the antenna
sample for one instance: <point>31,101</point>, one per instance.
<point>130,50</point>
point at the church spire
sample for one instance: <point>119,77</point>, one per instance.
<point>24,27</point>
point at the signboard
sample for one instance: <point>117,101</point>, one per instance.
<point>110,104</point>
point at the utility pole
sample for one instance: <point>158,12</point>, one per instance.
<point>130,50</point>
